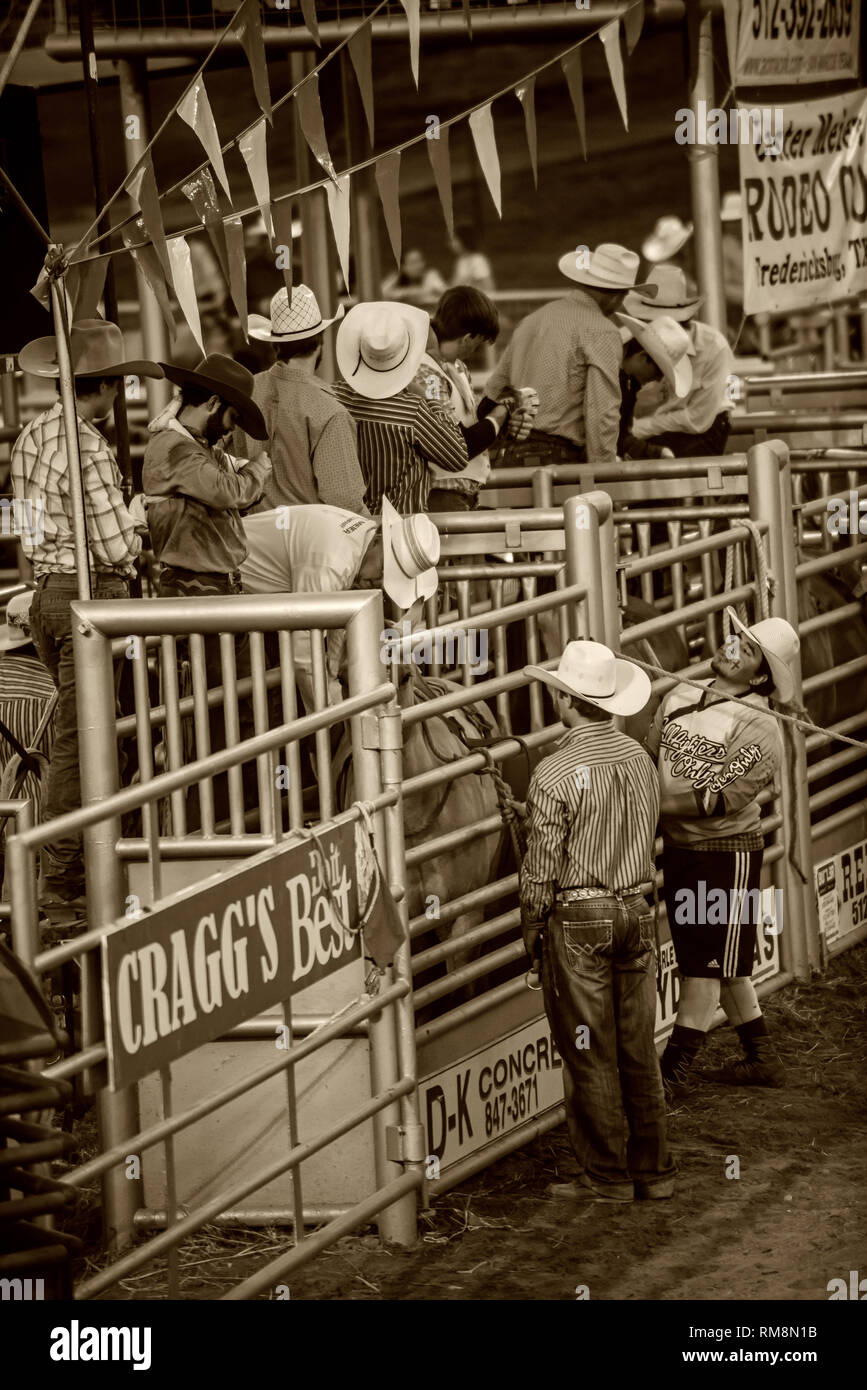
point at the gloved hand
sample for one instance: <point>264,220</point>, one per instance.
<point>523,413</point>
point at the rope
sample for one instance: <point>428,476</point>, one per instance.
<point>764,583</point>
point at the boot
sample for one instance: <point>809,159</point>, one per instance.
<point>680,1053</point>
<point>760,1065</point>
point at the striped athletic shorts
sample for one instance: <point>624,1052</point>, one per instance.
<point>713,902</point>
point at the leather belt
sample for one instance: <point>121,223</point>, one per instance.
<point>573,895</point>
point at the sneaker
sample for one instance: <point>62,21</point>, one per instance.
<point>584,1190</point>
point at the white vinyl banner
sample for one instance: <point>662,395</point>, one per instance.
<point>805,207</point>
<point>785,41</point>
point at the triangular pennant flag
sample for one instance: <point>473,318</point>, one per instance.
<point>573,73</point>
<point>234,232</point>
<point>610,36</point>
<point>85,283</point>
<point>312,124</point>
<point>281,214</point>
<point>387,175</point>
<point>468,21</point>
<point>148,262</point>
<point>142,188</point>
<point>633,23</point>
<point>203,195</point>
<point>482,127</point>
<point>731,11</point>
<point>248,27</point>
<point>195,109</point>
<point>526,95</point>
<point>308,9</point>
<point>413,18</point>
<point>438,152</point>
<point>359,52</point>
<point>338,208</point>
<point>253,149</point>
<point>185,286</point>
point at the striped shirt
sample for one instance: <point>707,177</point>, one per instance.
<point>311,441</point>
<point>712,364</point>
<point>40,479</point>
<point>25,690</point>
<point>397,439</point>
<point>592,807</point>
<point>571,353</point>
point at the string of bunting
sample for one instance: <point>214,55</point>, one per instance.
<point>165,259</point>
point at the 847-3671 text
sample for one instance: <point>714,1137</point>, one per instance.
<point>513,1104</point>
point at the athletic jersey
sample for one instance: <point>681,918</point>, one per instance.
<point>724,751</point>
<point>296,550</point>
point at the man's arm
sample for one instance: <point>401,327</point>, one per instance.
<point>498,381</point>
<point>538,875</point>
<point>192,471</point>
<point>335,465</point>
<point>698,412</point>
<point>439,438</point>
<point>111,531</point>
<point>603,356</point>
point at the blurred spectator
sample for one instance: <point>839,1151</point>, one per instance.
<point>415,283</point>
<point>471,266</point>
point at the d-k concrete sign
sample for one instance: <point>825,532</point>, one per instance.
<point>213,955</point>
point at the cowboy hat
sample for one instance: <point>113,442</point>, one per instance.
<point>410,551</point>
<point>670,347</point>
<point>779,644</point>
<point>732,207</point>
<point>673,299</point>
<point>290,322</point>
<point>609,267</point>
<point>667,238</point>
<point>228,380</point>
<point>379,347</point>
<point>95,348</point>
<point>15,632</point>
<point>592,671</point>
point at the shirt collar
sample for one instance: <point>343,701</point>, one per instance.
<point>294,372</point>
<point>572,735</point>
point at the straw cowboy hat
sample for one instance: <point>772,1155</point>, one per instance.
<point>673,299</point>
<point>410,551</point>
<point>379,347</point>
<point>668,237</point>
<point>291,321</point>
<point>609,267</point>
<point>669,345</point>
<point>15,632</point>
<point>95,348</point>
<point>732,207</point>
<point>779,644</point>
<point>228,380</point>
<point>593,672</point>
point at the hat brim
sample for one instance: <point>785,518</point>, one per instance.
<point>640,309</point>
<point>677,375</point>
<point>631,687</point>
<point>12,637</point>
<point>583,277</point>
<point>400,588</point>
<point>258,326</point>
<point>39,358</point>
<point>379,386</point>
<point>657,249</point>
<point>250,417</point>
<point>784,682</point>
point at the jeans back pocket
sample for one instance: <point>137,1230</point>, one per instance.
<point>584,940</point>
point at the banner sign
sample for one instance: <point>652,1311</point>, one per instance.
<point>804,197</point>
<point>841,888</point>
<point>232,946</point>
<point>786,41</point>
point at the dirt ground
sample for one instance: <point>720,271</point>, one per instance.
<point>794,1219</point>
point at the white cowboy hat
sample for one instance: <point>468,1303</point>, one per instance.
<point>667,238</point>
<point>96,349</point>
<point>673,299</point>
<point>15,632</point>
<point>410,551</point>
<point>732,207</point>
<point>609,267</point>
<point>379,347</point>
<point>669,345</point>
<point>290,322</point>
<point>779,644</point>
<point>592,671</point>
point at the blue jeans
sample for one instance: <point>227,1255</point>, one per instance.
<point>598,971</point>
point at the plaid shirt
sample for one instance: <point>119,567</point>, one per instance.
<point>571,353</point>
<point>40,478</point>
<point>592,807</point>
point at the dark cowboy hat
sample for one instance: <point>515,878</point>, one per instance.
<point>228,380</point>
<point>95,347</point>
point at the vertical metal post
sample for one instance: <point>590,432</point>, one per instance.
<point>97,741</point>
<point>70,426</point>
<point>316,253</point>
<point>770,498</point>
<point>365,669</point>
<point>365,210</point>
<point>133,83</point>
<point>583,563</point>
<point>704,178</point>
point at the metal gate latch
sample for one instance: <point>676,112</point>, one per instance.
<point>405,1144</point>
<point>381,731</point>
